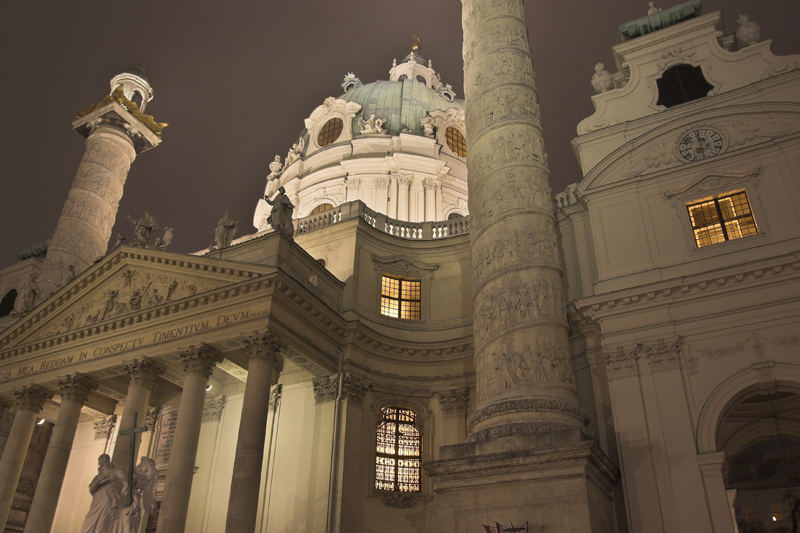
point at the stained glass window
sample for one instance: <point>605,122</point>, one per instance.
<point>456,141</point>
<point>722,218</point>
<point>400,298</point>
<point>330,132</point>
<point>398,448</point>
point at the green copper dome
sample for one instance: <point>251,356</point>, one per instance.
<point>401,103</point>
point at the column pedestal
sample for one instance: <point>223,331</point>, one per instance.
<point>75,390</point>
<point>198,361</point>
<point>30,401</point>
<point>263,357</point>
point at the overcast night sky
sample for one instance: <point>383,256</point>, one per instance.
<point>236,79</point>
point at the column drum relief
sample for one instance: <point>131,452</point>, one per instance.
<point>524,375</point>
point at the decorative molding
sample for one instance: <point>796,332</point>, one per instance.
<point>151,418</point>
<point>528,405</point>
<point>325,388</point>
<point>76,387</point>
<point>404,266</point>
<point>265,345</point>
<point>453,401</point>
<point>714,184</point>
<point>144,372</point>
<point>622,364</point>
<point>661,355</point>
<point>212,408</point>
<point>32,398</point>
<point>398,499</point>
<point>200,359</point>
<point>331,108</point>
<point>104,426</point>
<point>515,429</point>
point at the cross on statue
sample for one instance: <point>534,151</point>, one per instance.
<point>132,432</point>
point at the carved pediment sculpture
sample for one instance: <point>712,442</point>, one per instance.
<point>404,266</point>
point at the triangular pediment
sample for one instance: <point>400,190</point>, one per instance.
<point>125,283</point>
<point>664,147</point>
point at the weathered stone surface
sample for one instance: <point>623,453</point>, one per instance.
<point>524,375</point>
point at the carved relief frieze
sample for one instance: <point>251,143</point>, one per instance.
<point>104,426</point>
<point>509,191</point>
<point>662,355</point>
<point>522,147</point>
<point>130,291</point>
<point>404,266</point>
<point>622,363</point>
<point>325,388</point>
<point>454,401</point>
<point>212,408</point>
<point>399,500</point>
<point>529,245</point>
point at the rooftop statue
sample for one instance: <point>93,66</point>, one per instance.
<point>143,229</point>
<point>427,124</point>
<point>602,80</point>
<point>275,168</point>
<point>108,491</point>
<point>225,230</point>
<point>280,217</point>
<point>652,8</point>
<point>28,294</point>
<point>748,32</point>
<point>372,124</point>
<point>166,239</point>
<point>295,152</point>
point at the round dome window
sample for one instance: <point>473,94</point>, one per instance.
<point>330,132</point>
<point>456,141</point>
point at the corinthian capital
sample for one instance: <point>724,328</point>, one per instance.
<point>200,359</point>
<point>76,387</point>
<point>144,371</point>
<point>32,398</point>
<point>265,345</point>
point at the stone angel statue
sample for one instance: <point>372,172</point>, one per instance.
<point>145,479</point>
<point>372,124</point>
<point>107,490</point>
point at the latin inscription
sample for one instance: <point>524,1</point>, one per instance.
<point>148,339</point>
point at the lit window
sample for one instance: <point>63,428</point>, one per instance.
<point>397,451</point>
<point>400,298</point>
<point>456,141</point>
<point>722,218</point>
<point>330,132</point>
<point>321,208</point>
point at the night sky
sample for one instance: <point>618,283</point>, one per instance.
<point>236,79</point>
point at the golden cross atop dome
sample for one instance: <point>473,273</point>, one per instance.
<point>415,41</point>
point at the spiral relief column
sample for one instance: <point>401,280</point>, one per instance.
<point>525,383</point>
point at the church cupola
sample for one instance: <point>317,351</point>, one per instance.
<point>135,86</point>
<point>415,67</point>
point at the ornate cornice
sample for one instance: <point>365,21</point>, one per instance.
<point>200,359</point>
<point>76,387</point>
<point>32,398</point>
<point>624,300</point>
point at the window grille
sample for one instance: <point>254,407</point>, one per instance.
<point>456,141</point>
<point>398,448</point>
<point>330,132</point>
<point>400,298</point>
<point>722,218</point>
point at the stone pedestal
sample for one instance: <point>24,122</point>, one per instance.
<point>263,358</point>
<point>198,362</point>
<point>142,373</point>
<point>30,401</point>
<point>568,489</point>
<point>75,390</point>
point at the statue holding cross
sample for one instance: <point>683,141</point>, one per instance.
<point>141,486</point>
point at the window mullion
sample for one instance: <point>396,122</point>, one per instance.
<point>721,220</point>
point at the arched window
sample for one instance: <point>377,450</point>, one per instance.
<point>321,208</point>
<point>421,79</point>
<point>330,132</point>
<point>402,78</point>
<point>7,303</point>
<point>398,451</point>
<point>453,216</point>
<point>680,84</point>
<point>456,141</point>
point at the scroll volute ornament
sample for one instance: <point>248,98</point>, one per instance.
<point>265,345</point>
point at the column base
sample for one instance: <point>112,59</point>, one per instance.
<point>566,488</point>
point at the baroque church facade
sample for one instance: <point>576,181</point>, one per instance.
<point>392,350</point>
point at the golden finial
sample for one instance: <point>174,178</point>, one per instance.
<point>415,40</point>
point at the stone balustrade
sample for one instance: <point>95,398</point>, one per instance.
<point>415,231</point>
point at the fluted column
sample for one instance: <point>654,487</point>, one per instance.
<point>198,362</point>
<point>524,375</point>
<point>142,375</point>
<point>431,186</point>
<point>263,359</point>
<point>30,401</point>
<point>75,389</point>
<point>416,201</point>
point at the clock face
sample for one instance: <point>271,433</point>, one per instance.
<point>700,144</point>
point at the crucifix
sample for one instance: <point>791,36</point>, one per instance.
<point>132,432</point>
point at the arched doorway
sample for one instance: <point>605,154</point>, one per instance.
<point>760,435</point>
